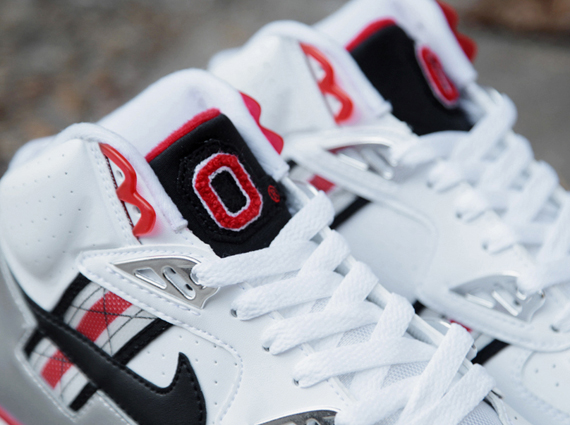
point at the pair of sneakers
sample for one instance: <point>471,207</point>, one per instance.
<point>167,265</point>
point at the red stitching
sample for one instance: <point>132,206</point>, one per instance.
<point>274,194</point>
<point>127,191</point>
<point>328,84</point>
<point>204,190</point>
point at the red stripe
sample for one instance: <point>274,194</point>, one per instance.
<point>368,31</point>
<point>255,110</point>
<point>199,119</point>
<point>92,325</point>
<point>321,183</point>
<point>6,417</point>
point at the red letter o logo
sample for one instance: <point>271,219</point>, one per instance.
<point>442,86</point>
<point>206,171</point>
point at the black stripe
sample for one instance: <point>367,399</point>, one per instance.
<point>83,397</point>
<point>292,164</point>
<point>419,307</point>
<point>33,342</point>
<point>78,285</point>
<point>72,291</point>
<point>138,343</point>
<point>349,211</point>
<point>182,402</point>
<point>489,351</point>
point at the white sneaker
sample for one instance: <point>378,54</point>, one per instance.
<point>462,218</point>
<point>162,268</point>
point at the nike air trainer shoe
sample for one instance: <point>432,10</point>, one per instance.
<point>161,268</point>
<point>458,215</point>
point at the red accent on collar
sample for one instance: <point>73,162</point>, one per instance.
<point>369,30</point>
<point>255,110</point>
<point>127,191</point>
<point>468,45</point>
<point>328,84</point>
<point>190,125</point>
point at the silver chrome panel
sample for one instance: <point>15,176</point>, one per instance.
<point>173,275</point>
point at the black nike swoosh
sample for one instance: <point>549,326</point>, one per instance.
<point>181,403</point>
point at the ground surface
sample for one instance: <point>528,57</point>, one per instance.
<point>64,61</point>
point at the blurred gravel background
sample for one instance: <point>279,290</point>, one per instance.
<point>65,61</point>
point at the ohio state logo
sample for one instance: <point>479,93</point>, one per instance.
<point>441,85</point>
<point>218,208</point>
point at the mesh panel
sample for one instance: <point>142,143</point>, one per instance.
<point>402,371</point>
<point>357,336</point>
<point>391,420</point>
<point>483,414</point>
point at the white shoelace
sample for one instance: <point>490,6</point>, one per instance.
<point>299,268</point>
<point>500,166</point>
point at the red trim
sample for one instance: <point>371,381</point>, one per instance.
<point>462,325</point>
<point>468,45</point>
<point>205,191</point>
<point>369,30</point>
<point>255,110</point>
<point>127,191</point>
<point>440,82</point>
<point>92,325</point>
<point>321,183</point>
<point>328,84</point>
<point>190,125</point>
<point>6,417</point>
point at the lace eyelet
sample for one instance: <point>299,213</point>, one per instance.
<point>233,312</point>
<point>266,349</point>
<point>295,382</point>
<point>554,329</point>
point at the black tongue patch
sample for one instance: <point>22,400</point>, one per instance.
<point>412,79</point>
<point>221,189</point>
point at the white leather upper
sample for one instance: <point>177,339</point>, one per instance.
<point>411,234</point>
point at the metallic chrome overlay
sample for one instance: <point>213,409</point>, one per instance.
<point>500,293</point>
<point>171,275</point>
<point>315,417</point>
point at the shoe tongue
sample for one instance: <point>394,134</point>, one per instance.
<point>412,54</point>
<point>204,142</point>
<point>304,80</point>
